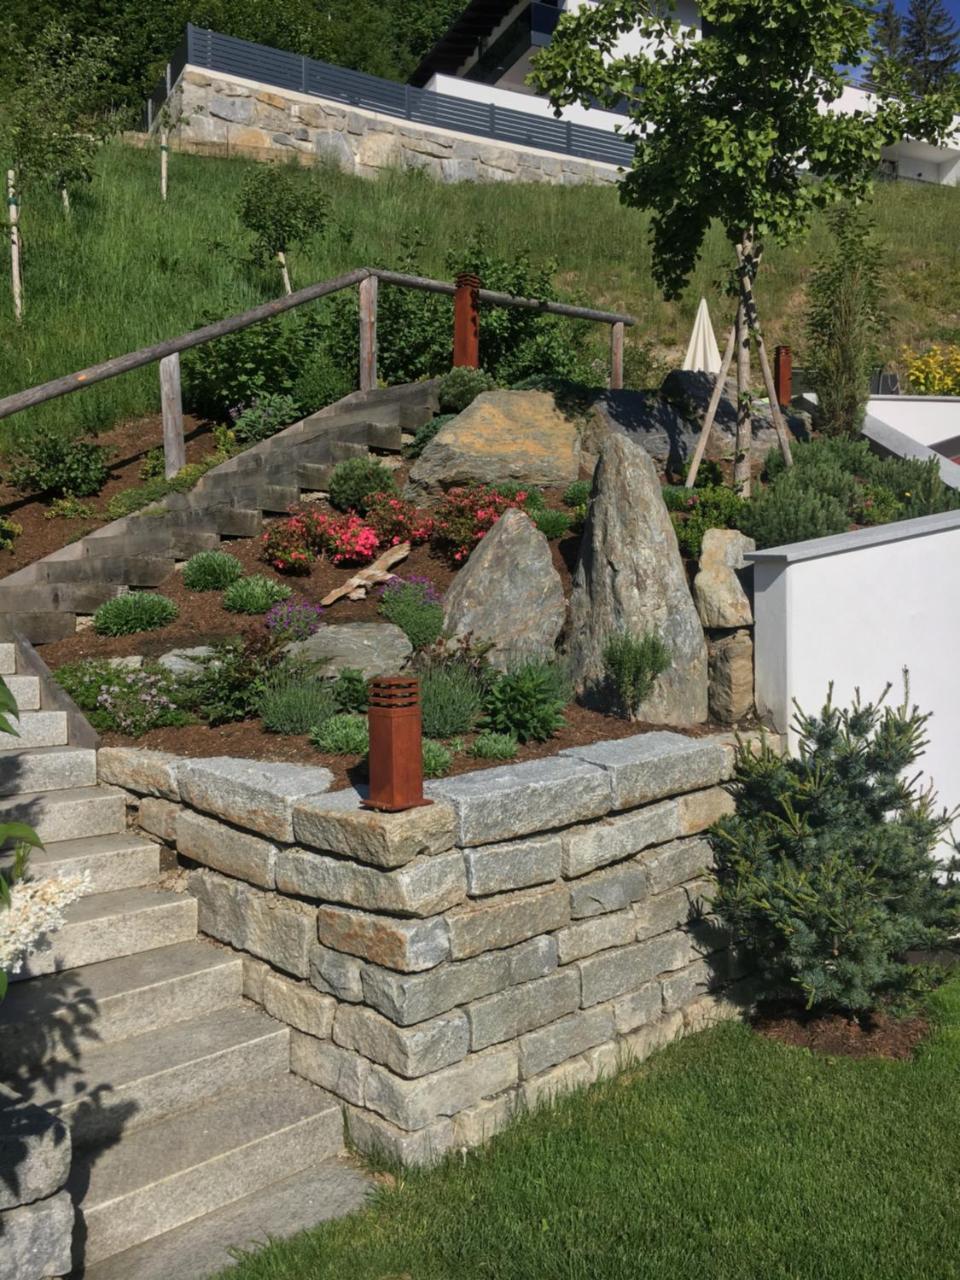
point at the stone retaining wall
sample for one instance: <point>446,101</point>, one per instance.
<point>529,931</point>
<point>36,1211</point>
<point>224,115</point>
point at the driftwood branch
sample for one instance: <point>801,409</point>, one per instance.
<point>356,587</point>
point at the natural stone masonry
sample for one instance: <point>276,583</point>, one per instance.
<point>536,927</point>
<point>36,1214</point>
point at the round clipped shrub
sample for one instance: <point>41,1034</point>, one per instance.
<point>255,594</point>
<point>342,735</point>
<point>355,480</point>
<point>211,571</point>
<point>137,611</point>
<point>494,746</point>
<point>460,387</point>
<point>437,759</point>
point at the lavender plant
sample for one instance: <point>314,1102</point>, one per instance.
<point>291,620</point>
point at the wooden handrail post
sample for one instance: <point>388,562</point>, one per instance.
<point>171,405</point>
<point>616,356</point>
<point>466,322</point>
<point>369,290</point>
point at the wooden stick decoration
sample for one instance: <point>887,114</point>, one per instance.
<point>356,587</point>
<point>282,259</point>
<point>710,415</point>
<point>65,199</point>
<point>750,306</point>
<point>743,454</point>
<point>13,205</point>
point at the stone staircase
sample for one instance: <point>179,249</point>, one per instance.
<point>190,1135</point>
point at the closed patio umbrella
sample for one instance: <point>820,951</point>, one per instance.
<point>703,354</point>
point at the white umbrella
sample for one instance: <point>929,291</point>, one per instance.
<point>703,354</point>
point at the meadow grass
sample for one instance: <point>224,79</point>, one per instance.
<point>726,1156</point>
<point>125,270</point>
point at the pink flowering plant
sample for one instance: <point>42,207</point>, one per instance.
<point>467,514</point>
<point>395,520</point>
<point>285,546</point>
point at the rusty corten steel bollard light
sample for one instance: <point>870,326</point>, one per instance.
<point>396,746</point>
<point>783,376</point>
<point>466,322</point>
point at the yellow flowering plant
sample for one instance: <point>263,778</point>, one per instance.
<point>935,372</point>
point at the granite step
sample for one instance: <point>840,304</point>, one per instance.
<point>25,690</point>
<point>68,814</point>
<point>8,658</point>
<point>100,1004</point>
<point>195,1162</point>
<point>205,1247</point>
<point>123,861</point>
<point>110,1091</point>
<point>105,926</point>
<point>42,728</point>
<point>47,769</point>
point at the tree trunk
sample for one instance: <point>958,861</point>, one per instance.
<point>742,461</point>
<point>164,151</point>
<point>282,259</point>
<point>65,200</point>
<point>16,278</point>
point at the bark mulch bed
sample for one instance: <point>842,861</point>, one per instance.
<point>878,1035</point>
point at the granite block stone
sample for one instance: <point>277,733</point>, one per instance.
<point>413,1104</point>
<point>569,1036</point>
<point>236,853</point>
<point>516,864</point>
<point>253,794</point>
<point>422,887</point>
<point>336,974</point>
<point>652,766</point>
<point>596,844</point>
<point>35,1153</point>
<point>506,919</point>
<point>271,927</point>
<point>686,985</point>
<point>566,1076</point>
<point>299,1005</point>
<point>509,1014</point>
<point>407,1051</point>
<point>37,1239</point>
<point>478,1124</point>
<point>147,773</point>
<point>340,1071</point>
<point>336,823</point>
<point>676,863</point>
<point>673,909</point>
<point>701,809</point>
<point>611,890</point>
<point>614,973</point>
<point>638,1008</point>
<point>375,1136</point>
<point>587,937</point>
<point>159,818</point>
<point>407,945</point>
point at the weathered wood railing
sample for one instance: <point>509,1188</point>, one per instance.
<point>467,293</point>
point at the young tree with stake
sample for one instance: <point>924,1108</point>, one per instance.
<point>736,125</point>
<point>281,208</point>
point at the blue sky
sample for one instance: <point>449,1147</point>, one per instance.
<point>952,5</point>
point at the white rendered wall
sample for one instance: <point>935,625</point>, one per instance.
<point>856,609</point>
<point>930,420</point>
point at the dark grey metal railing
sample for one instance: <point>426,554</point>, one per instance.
<point>250,61</point>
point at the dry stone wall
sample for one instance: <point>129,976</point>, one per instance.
<point>222,115</point>
<point>535,927</point>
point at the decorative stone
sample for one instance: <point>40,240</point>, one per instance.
<point>701,809</point>
<point>587,937</point>
<point>248,793</point>
<point>508,1014</point>
<point>407,945</point>
<point>335,822</point>
<point>686,985</point>
<point>718,589</point>
<point>676,863</point>
<point>593,845</point>
<point>652,766</point>
<point>376,1136</point>
<point>34,1154</point>
<point>507,919</point>
<point>186,662</point>
<point>335,974</point>
<point>517,864</point>
<point>159,818</point>
<point>503,435</point>
<point>423,887</point>
<point>340,1071</point>
<point>37,1239</point>
<point>731,677</point>
<point>273,928</point>
<point>564,1039</point>
<point>373,648</point>
<point>147,773</point>
<point>638,1008</point>
<point>513,565</point>
<point>298,1005</point>
<point>410,998</point>
<point>630,578</point>
<point>235,110</point>
<point>218,846</point>
<point>407,1051</point>
<point>614,973</point>
<point>413,1104</point>
<point>606,891</point>
<point>513,800</point>
<point>691,392</point>
<point>674,909</point>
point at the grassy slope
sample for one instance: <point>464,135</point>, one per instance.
<point>726,1156</point>
<point>125,271</point>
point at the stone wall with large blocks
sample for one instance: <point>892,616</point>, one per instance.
<point>224,115</point>
<point>532,929</point>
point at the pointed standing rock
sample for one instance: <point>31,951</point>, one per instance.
<point>630,577</point>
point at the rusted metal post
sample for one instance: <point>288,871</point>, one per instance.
<point>396,745</point>
<point>466,322</point>
<point>616,356</point>
<point>368,333</point>
<point>783,375</point>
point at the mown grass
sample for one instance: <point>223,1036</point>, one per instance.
<point>726,1156</point>
<point>125,270</point>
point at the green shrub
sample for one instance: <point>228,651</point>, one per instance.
<point>633,664</point>
<point>437,759</point>
<point>460,387</point>
<point>321,382</point>
<point>494,746</point>
<point>342,735</point>
<point>119,700</point>
<point>528,701</point>
<point>281,208</point>
<point>153,466</point>
<point>268,414</point>
<point>694,511</point>
<point>256,594</point>
<point>211,571</point>
<point>577,495</point>
<point>350,690</point>
<point>136,611</point>
<point>51,465</point>
<point>9,532</point>
<point>69,509</point>
<point>451,698</point>
<point>827,869</point>
<point>355,480</point>
<point>552,524</point>
<point>426,433</point>
<point>415,608</point>
<point>293,703</point>
<point>233,680</point>
<point>127,501</point>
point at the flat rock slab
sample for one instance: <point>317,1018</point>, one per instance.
<point>503,435</point>
<point>336,823</point>
<point>508,594</point>
<point>373,648</point>
<point>186,662</point>
<point>37,1239</point>
<point>34,1154</point>
<point>251,794</point>
<point>148,773</point>
<point>653,766</point>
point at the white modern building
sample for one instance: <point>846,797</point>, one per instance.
<point>485,57</point>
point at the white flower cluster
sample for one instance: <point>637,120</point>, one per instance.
<point>35,911</point>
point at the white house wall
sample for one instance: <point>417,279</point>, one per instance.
<point>930,420</point>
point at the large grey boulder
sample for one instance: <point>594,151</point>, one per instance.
<point>630,577</point>
<point>508,593</point>
<point>374,648</point>
<point>502,435</point>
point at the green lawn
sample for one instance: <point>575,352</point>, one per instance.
<point>725,1157</point>
<point>125,270</point>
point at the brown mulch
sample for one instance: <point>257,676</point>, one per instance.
<point>879,1035</point>
<point>128,445</point>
